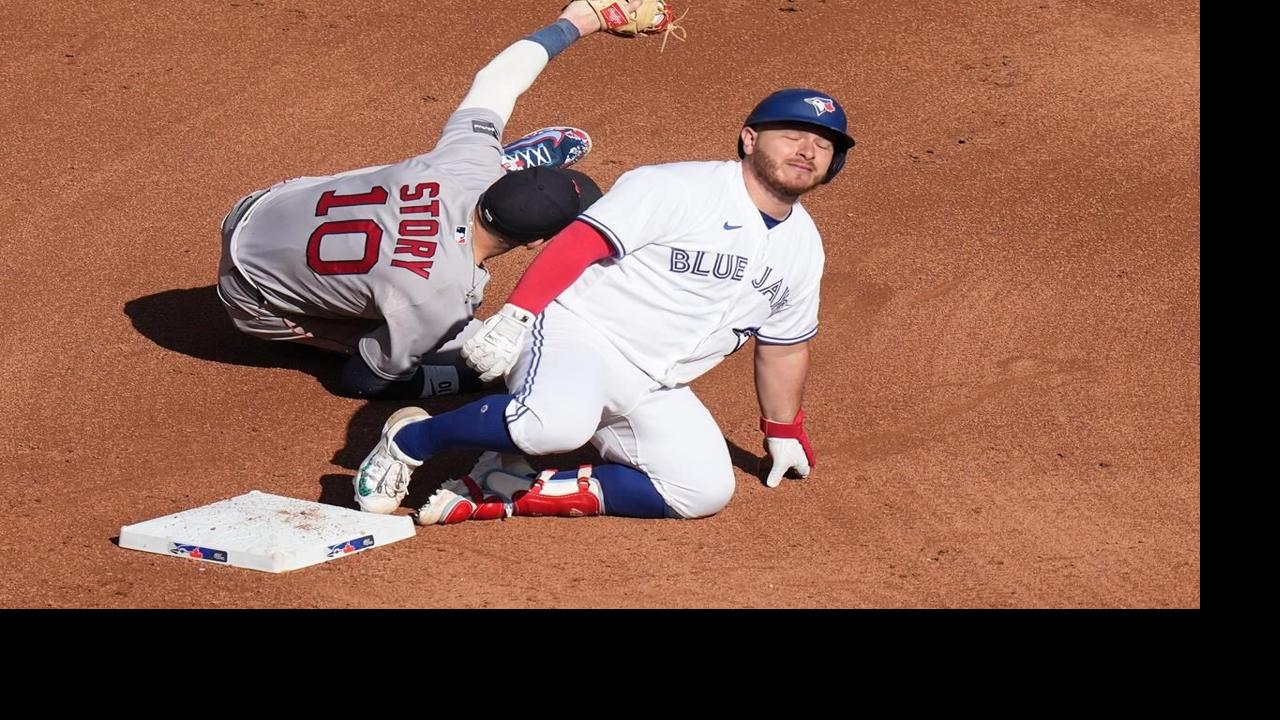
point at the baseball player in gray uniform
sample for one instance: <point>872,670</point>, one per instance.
<point>677,267</point>
<point>386,263</point>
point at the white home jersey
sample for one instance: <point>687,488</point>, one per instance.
<point>695,271</point>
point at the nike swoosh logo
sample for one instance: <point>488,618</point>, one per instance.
<point>727,226</point>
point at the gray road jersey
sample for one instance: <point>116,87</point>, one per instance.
<point>380,242</point>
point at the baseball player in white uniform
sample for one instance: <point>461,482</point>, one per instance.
<point>386,264</point>
<point>676,267</point>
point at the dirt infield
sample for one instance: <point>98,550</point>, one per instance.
<point>1005,397</point>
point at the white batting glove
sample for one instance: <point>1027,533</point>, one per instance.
<point>787,447</point>
<point>785,454</point>
<point>494,349</point>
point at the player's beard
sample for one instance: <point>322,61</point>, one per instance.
<point>773,174</point>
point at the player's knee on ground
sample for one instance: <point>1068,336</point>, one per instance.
<point>248,327</point>
<point>241,319</point>
<point>698,493</point>
<point>544,430</point>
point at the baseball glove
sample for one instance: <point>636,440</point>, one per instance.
<point>651,18</point>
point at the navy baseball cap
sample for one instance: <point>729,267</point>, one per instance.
<point>537,203</point>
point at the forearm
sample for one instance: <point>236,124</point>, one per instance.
<point>562,261</point>
<point>781,372</point>
<point>507,76</point>
<point>499,83</point>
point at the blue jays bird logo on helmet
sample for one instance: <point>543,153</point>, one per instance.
<point>821,104</point>
<point>805,106</point>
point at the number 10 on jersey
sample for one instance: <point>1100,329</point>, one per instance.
<point>418,224</point>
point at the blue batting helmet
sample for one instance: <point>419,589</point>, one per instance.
<point>807,107</point>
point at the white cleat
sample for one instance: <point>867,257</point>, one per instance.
<point>383,478</point>
<point>490,461</point>
<point>503,476</point>
<point>470,496</point>
<point>454,502</point>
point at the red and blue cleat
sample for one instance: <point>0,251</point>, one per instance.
<point>549,147</point>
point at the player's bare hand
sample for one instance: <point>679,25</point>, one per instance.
<point>495,348</point>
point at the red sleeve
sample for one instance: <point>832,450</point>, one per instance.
<point>569,253</point>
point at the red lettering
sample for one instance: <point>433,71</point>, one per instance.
<point>431,189</point>
<point>331,199</point>
<point>420,228</point>
<point>417,267</point>
<point>431,209</point>
<point>372,238</point>
<point>417,248</point>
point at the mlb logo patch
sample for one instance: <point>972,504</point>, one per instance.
<point>822,105</point>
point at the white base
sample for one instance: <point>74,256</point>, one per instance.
<point>265,532</point>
